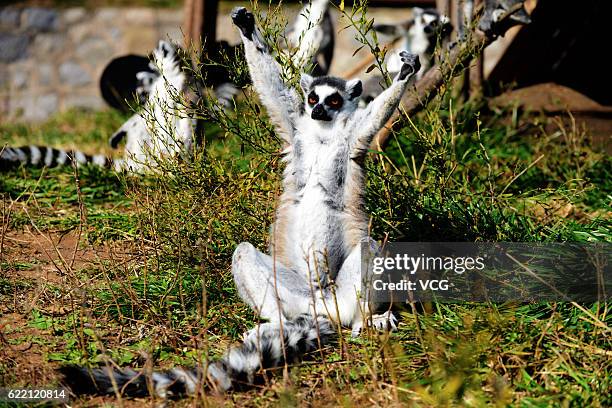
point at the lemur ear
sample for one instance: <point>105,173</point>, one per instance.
<point>354,88</point>
<point>306,82</point>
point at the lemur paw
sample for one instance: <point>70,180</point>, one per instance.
<point>410,65</point>
<point>244,20</point>
<point>384,322</point>
<point>381,322</point>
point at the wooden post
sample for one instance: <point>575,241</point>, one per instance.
<point>200,23</point>
<point>476,72</point>
<point>444,7</point>
<point>187,22</point>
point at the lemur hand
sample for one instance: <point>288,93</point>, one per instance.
<point>381,322</point>
<point>410,66</point>
<point>244,20</point>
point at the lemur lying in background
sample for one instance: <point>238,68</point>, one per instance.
<point>419,35</point>
<point>163,129</point>
<point>311,282</point>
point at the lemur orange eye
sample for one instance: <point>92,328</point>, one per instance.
<point>312,98</point>
<point>334,101</point>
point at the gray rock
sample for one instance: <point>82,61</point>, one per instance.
<point>40,19</point>
<point>92,102</point>
<point>140,16</point>
<point>74,15</point>
<point>79,31</point>
<point>13,46</point>
<point>45,74</point>
<point>108,14</point>
<point>4,107</point>
<point>44,44</point>
<point>95,51</point>
<point>3,78</point>
<point>20,79</point>
<point>115,33</point>
<point>73,74</point>
<point>9,17</point>
<point>45,106</point>
<point>32,107</point>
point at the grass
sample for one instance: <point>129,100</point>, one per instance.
<point>137,269</point>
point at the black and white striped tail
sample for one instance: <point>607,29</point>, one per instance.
<point>41,156</point>
<point>262,348</point>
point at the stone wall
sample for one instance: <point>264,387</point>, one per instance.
<point>52,60</point>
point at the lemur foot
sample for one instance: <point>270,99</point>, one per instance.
<point>410,66</point>
<point>381,322</point>
<point>244,20</point>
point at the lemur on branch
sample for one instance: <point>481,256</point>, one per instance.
<point>162,129</point>
<point>418,35</point>
<point>311,282</point>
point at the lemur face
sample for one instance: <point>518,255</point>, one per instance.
<point>327,98</point>
<point>430,22</point>
<point>164,55</point>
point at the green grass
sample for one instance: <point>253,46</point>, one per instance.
<point>160,290</point>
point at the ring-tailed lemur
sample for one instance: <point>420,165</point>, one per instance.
<point>163,129</point>
<point>419,35</point>
<point>214,75</point>
<point>313,35</point>
<point>312,281</point>
<point>493,21</point>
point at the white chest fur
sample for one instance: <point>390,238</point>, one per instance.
<point>318,164</point>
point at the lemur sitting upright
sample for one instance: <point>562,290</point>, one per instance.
<point>320,222</point>
<point>312,280</point>
<point>419,35</point>
<point>163,129</point>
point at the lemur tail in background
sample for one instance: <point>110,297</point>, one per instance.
<point>40,156</point>
<point>267,346</point>
<point>163,128</point>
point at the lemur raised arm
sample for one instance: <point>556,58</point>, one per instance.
<point>320,221</point>
<point>283,104</point>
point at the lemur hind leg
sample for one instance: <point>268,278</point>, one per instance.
<point>276,292</point>
<point>272,290</point>
<point>346,303</point>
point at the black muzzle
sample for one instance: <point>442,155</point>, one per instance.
<point>319,113</point>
